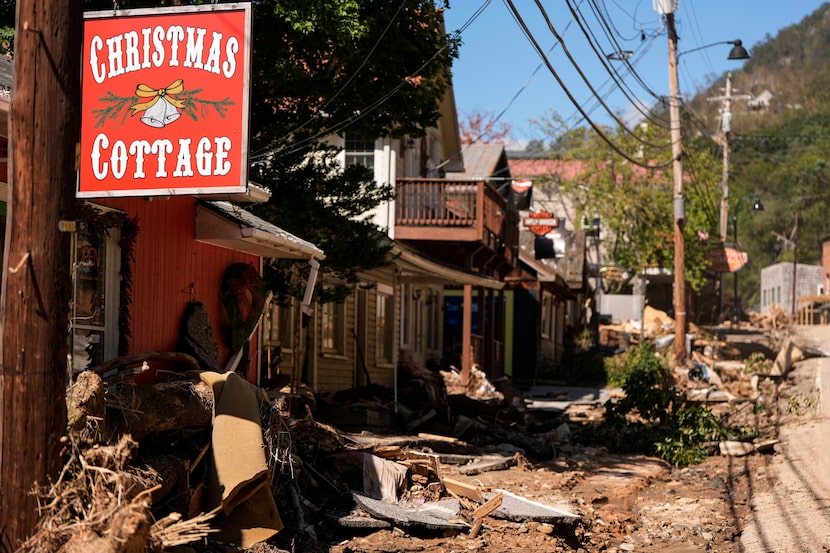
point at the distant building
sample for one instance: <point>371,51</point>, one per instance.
<point>761,101</point>
<point>777,284</point>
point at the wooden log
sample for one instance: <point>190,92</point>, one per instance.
<point>174,405</point>
<point>188,361</point>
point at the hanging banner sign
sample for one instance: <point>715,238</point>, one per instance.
<point>726,260</point>
<point>164,101</point>
<point>541,223</point>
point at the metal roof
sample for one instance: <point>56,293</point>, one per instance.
<point>249,233</point>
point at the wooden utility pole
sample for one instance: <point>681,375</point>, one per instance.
<point>679,208</point>
<point>34,304</point>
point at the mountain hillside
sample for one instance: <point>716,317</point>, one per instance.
<point>794,66</point>
<point>779,149</point>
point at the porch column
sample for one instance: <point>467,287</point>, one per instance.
<point>467,334</point>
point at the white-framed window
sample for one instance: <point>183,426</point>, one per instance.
<point>418,323</point>
<point>359,151</point>
<point>385,324</point>
<point>279,327</point>
<point>94,308</point>
<point>334,328</point>
<point>407,315</point>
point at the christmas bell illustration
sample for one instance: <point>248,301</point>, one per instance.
<point>162,108</point>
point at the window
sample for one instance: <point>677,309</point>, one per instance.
<point>279,327</point>
<point>407,315</point>
<point>385,317</point>
<point>360,151</point>
<point>334,328</point>
<point>420,329</point>
<point>94,305</point>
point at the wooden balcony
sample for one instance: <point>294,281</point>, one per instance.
<point>453,214</point>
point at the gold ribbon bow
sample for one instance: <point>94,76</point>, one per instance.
<point>144,91</point>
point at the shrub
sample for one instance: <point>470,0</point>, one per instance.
<point>653,418</point>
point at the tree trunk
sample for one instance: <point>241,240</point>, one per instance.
<point>161,407</point>
<point>34,305</point>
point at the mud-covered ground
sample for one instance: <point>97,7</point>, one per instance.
<point>629,502</point>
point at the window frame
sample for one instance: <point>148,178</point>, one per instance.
<point>333,329</point>
<point>384,325</point>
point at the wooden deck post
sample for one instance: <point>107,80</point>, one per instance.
<point>467,334</point>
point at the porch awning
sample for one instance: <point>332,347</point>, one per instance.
<point>226,225</point>
<point>546,275</point>
<point>414,267</point>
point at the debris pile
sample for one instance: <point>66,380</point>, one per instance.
<point>206,459</point>
<point>158,458</point>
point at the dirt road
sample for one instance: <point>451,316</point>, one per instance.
<point>791,511</point>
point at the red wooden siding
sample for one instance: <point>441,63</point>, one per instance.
<point>171,269</point>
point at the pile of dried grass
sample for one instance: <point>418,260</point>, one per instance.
<point>102,503</point>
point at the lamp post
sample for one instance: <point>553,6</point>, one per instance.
<point>756,206</point>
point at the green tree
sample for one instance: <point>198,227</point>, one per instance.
<point>367,69</point>
<point>633,195</point>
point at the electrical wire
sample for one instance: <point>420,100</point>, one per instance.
<point>338,127</point>
<point>605,19</point>
<point>359,68</point>
<point>567,91</point>
<point>612,71</point>
<point>582,74</point>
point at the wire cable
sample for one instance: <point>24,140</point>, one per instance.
<point>338,127</point>
<point>558,78</point>
<point>584,77</point>
<point>612,71</point>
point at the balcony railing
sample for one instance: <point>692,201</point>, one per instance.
<point>429,204</point>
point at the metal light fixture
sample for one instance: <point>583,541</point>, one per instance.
<point>737,309</point>
<point>757,205</point>
<point>738,52</point>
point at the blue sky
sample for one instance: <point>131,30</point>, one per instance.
<point>498,64</point>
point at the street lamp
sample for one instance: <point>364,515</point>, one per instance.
<point>668,8</point>
<point>756,206</point>
<point>738,52</point>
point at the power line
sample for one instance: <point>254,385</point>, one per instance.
<point>338,127</point>
<point>558,78</point>
<point>612,71</point>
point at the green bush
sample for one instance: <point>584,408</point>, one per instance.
<point>652,417</point>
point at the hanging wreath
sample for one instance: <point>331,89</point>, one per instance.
<point>98,224</point>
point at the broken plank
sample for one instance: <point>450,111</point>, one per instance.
<point>492,504</point>
<point>464,489</point>
<point>487,464</point>
<point>476,528</point>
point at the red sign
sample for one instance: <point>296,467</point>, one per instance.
<point>726,260</point>
<point>541,222</point>
<point>165,101</point>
